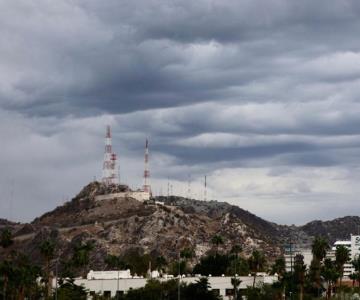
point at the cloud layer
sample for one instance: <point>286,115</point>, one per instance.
<point>262,96</point>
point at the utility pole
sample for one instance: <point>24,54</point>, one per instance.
<point>168,188</point>
<point>56,280</point>
<point>179,278</point>
<point>189,188</point>
<point>117,289</point>
<point>291,270</point>
<point>205,194</point>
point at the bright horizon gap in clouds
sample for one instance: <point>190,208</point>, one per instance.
<point>262,96</point>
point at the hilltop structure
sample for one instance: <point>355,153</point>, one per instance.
<point>111,174</point>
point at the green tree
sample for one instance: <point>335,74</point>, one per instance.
<point>217,240</point>
<point>353,277</point>
<point>199,291</point>
<point>330,274</point>
<point>114,262</point>
<point>81,256</point>
<point>187,254</point>
<point>356,265</point>
<point>216,265</point>
<point>161,263</point>
<point>237,266</point>
<point>299,274</point>
<point>318,249</point>
<point>69,290</point>
<point>6,269</point>
<point>47,251</point>
<point>6,239</point>
<point>137,261</point>
<point>279,268</point>
<point>342,255</point>
<point>235,282</point>
<point>25,275</point>
<point>235,250</point>
<point>256,263</point>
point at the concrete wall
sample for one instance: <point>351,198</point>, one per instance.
<point>138,195</point>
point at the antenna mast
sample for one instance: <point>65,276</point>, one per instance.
<point>110,175</point>
<point>147,187</point>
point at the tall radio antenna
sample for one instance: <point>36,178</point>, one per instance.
<point>147,187</point>
<point>109,175</point>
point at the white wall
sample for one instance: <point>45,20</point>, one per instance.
<point>221,283</point>
<point>138,195</point>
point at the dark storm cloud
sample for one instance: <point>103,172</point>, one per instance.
<point>153,54</point>
<point>210,155</point>
<point>215,85</point>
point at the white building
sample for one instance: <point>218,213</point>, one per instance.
<point>109,283</point>
<point>290,257</point>
<point>354,246</point>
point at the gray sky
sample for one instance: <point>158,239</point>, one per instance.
<point>260,95</point>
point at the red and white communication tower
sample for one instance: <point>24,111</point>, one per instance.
<point>147,187</point>
<point>110,171</point>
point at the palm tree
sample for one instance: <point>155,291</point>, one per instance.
<point>342,255</point>
<point>81,255</point>
<point>331,274</point>
<point>279,267</point>
<point>186,254</point>
<point>353,277</point>
<point>217,240</point>
<point>47,250</point>
<point>256,263</point>
<point>161,263</point>
<point>6,269</point>
<point>318,249</point>
<point>356,265</point>
<point>26,274</point>
<point>299,272</point>
<point>236,249</point>
<point>6,240</point>
<point>235,282</point>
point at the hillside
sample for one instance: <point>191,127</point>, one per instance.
<point>126,225</point>
<point>337,229</point>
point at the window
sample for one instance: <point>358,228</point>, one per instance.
<point>229,292</point>
<point>216,292</point>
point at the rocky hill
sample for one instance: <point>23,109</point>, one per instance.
<point>337,229</point>
<point>126,225</point>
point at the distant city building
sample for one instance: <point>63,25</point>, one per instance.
<point>290,254</point>
<point>353,245</point>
